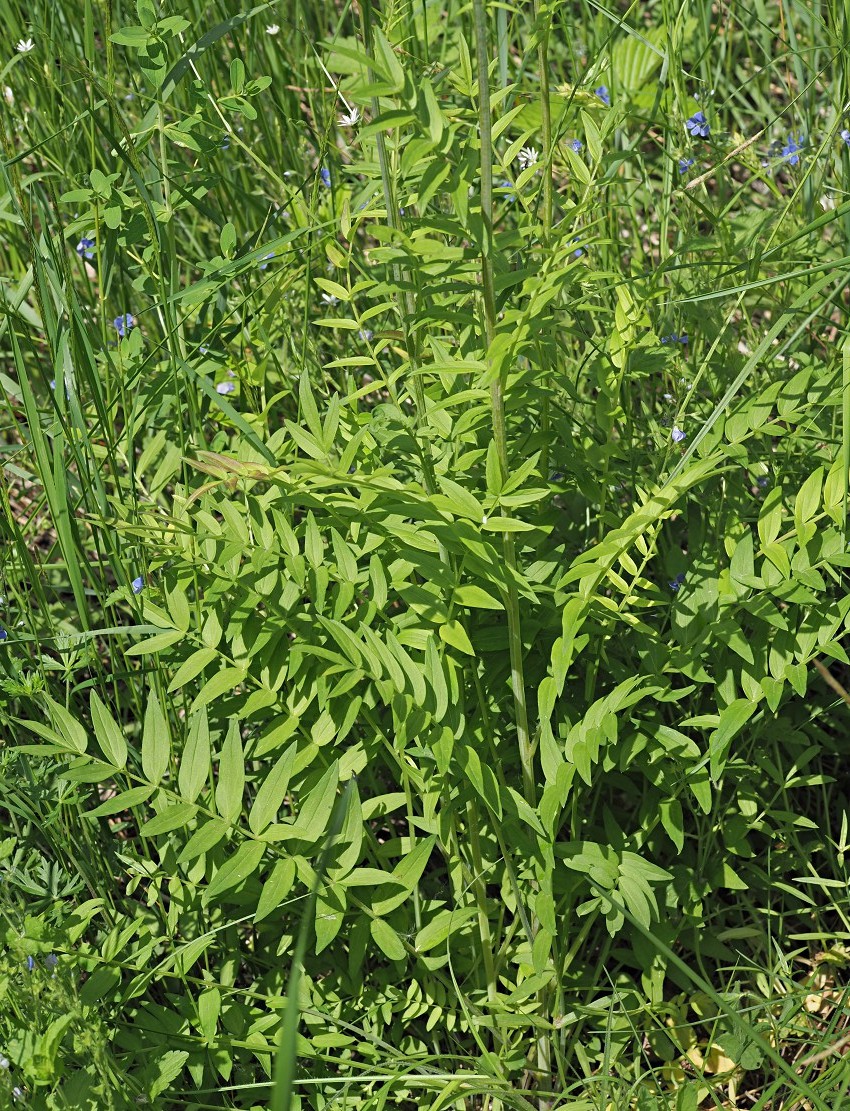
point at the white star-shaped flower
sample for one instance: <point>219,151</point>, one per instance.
<point>350,119</point>
<point>25,46</point>
<point>272,29</point>
<point>527,157</point>
<point>330,299</point>
<point>8,95</point>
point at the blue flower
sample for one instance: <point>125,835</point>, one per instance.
<point>3,634</point>
<point>575,144</point>
<point>674,337</point>
<point>84,247</point>
<point>138,584</point>
<point>579,251</point>
<point>674,584</point>
<point>124,323</point>
<point>508,187</point>
<point>685,164</point>
<point>51,960</point>
<point>604,95</point>
<point>30,963</point>
<point>791,150</point>
<point>845,135</point>
<point>263,265</point>
<point>677,435</point>
<point>366,334</point>
<point>698,126</point>
<point>225,387</point>
<point>325,175</point>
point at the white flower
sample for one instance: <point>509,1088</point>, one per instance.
<point>527,157</point>
<point>272,29</point>
<point>350,119</point>
<point>25,46</point>
<point>827,203</point>
<point>329,299</point>
<point>8,95</point>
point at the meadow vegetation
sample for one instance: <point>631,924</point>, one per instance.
<point>425,434</point>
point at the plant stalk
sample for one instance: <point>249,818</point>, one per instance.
<point>497,402</point>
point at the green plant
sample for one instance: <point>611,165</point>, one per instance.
<point>425,680</point>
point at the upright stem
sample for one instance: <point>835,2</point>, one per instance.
<point>541,23</point>
<point>497,401</point>
<point>404,296</point>
<point>541,20</point>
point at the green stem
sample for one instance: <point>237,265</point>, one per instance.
<point>541,20</point>
<point>480,892</point>
<point>497,402</point>
<point>542,23</point>
<point>402,279</point>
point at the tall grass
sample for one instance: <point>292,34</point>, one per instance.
<point>425,457</point>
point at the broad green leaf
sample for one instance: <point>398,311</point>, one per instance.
<point>204,838</point>
<point>407,872</point>
<point>276,888</point>
<point>230,784</point>
<point>195,763</point>
<point>156,742</point>
<point>244,863</point>
<point>173,817</point>
<point>445,924</point>
<point>270,796</point>
<point>387,939</point>
<point>67,726</point>
<point>108,734</point>
<point>121,802</point>
<point>732,719</point>
<point>314,813</point>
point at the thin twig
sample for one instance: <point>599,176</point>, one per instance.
<point>704,177</point>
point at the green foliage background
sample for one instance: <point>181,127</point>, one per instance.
<point>470,737</point>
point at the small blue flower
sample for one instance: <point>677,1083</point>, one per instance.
<point>791,150</point>
<point>138,584</point>
<point>325,175</point>
<point>508,186</point>
<point>225,387</point>
<point>674,584</point>
<point>3,634</point>
<point>685,164</point>
<point>366,334</point>
<point>677,435</point>
<point>845,135</point>
<point>84,247</point>
<point>698,126</point>
<point>763,480</point>
<point>579,251</point>
<point>674,337</point>
<point>51,960</point>
<point>604,95</point>
<point>124,323</point>
<point>263,265</point>
<point>30,963</point>
<point>575,144</point>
